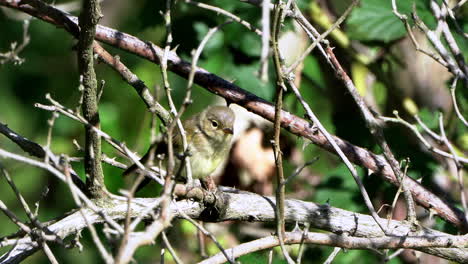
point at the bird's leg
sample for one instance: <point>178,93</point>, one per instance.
<point>194,190</point>
<point>191,184</point>
<point>208,194</point>
<point>208,187</point>
<point>209,184</point>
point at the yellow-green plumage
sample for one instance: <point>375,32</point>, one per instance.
<point>209,135</point>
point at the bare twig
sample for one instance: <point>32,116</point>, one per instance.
<point>321,38</point>
<point>440,48</point>
<point>56,106</point>
<point>310,30</point>
<point>14,218</point>
<point>43,232</point>
<point>167,244</point>
<point>227,14</point>
<point>457,163</point>
<point>15,49</point>
<point>431,133</point>
<point>440,14</point>
<point>404,19</point>
<point>414,129</point>
<point>209,234</point>
<point>62,177</point>
<point>394,255</point>
<point>265,40</point>
<point>132,79</point>
<point>302,244</point>
<point>134,240</point>
<point>339,151</point>
<point>453,87</point>
<point>397,195</point>
<point>280,88</point>
<point>340,241</point>
<point>332,256</point>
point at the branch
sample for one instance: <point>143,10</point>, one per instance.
<point>88,20</point>
<point>245,206</point>
<point>132,79</point>
<point>280,87</point>
<point>339,241</point>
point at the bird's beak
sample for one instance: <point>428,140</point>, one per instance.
<point>228,130</point>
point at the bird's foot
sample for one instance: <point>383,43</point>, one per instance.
<point>209,184</point>
<point>208,193</point>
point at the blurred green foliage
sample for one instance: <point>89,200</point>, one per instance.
<point>374,19</point>
<point>233,53</point>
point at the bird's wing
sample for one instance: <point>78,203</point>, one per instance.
<point>145,159</point>
<point>161,147</point>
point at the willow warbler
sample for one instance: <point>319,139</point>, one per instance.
<point>209,135</point>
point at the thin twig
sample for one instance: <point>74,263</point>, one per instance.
<point>38,151</point>
<point>318,125</point>
<point>115,63</point>
<point>44,233</point>
<point>460,177</point>
<point>62,177</point>
<point>56,106</point>
<point>439,47</point>
<point>310,30</point>
<point>302,244</point>
<point>440,14</point>
<point>227,14</point>
<point>453,87</point>
<point>167,244</point>
<point>280,87</point>
<point>409,29</point>
<point>209,234</point>
<point>332,256</point>
<point>414,129</point>
<point>15,50</point>
<point>321,37</point>
<point>265,40</point>
<point>431,133</point>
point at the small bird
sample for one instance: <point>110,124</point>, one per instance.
<point>209,135</point>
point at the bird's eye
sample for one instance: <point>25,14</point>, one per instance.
<point>214,123</point>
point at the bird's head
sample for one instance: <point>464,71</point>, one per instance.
<point>218,123</point>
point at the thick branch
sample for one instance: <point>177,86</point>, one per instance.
<point>245,206</point>
<point>88,20</point>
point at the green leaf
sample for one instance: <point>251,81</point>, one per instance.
<point>380,94</point>
<point>313,71</point>
<point>375,21</point>
<point>245,77</point>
